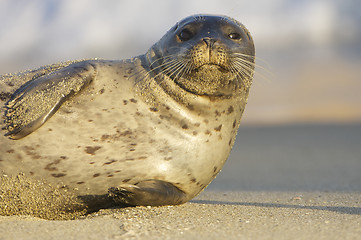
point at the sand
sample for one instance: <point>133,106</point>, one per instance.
<point>285,182</point>
<point>212,215</point>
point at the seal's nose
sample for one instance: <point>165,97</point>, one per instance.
<point>210,42</point>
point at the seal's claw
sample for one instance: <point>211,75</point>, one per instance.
<point>122,192</point>
<point>148,193</point>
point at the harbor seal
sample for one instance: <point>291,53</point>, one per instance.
<point>151,130</point>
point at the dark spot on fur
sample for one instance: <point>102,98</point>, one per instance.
<point>125,102</point>
<point>133,100</point>
<point>138,114</point>
<point>31,173</point>
<point>129,71</point>
<point>230,142</point>
<point>49,129</point>
<point>206,121</point>
<point>168,158</point>
<point>207,132</point>
<point>10,84</point>
<point>105,137</point>
<point>230,110</point>
<point>91,162</point>
<point>10,151</point>
<point>132,149</point>
<point>195,133</point>
<point>110,175</point>
<point>31,152</point>
<point>217,113</point>
<point>218,128</point>
<point>142,157</point>
<point>96,175</point>
<point>110,162</point>
<point>185,126</point>
<point>63,157</point>
<point>90,120</point>
<point>80,182</point>
<point>91,150</point>
<point>50,166</point>
<point>234,123</point>
<point>193,180</point>
<point>101,91</point>
<point>126,180</point>
<point>153,109</point>
<point>215,169</point>
<point>125,133</point>
<point>167,108</point>
<point>190,107</point>
<point>197,124</point>
<point>5,96</point>
<point>57,175</point>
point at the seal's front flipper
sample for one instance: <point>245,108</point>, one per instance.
<point>37,100</point>
<point>148,193</point>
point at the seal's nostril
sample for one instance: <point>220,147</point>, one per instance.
<point>209,41</point>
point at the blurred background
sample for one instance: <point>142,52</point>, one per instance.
<point>311,49</point>
<point>304,108</point>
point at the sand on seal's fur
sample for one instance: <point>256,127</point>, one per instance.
<point>21,196</point>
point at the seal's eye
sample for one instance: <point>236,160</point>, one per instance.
<point>234,36</point>
<point>185,35</point>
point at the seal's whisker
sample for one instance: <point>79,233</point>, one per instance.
<point>244,66</point>
<point>188,67</point>
<point>169,67</point>
<point>265,69</point>
<point>265,75</point>
<point>163,64</point>
<point>243,75</point>
<point>176,69</point>
<point>179,71</point>
<point>162,59</point>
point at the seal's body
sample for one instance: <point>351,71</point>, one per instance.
<point>155,129</point>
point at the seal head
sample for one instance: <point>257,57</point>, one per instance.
<point>205,55</point>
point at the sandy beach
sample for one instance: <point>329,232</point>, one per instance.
<point>285,182</point>
<point>212,215</point>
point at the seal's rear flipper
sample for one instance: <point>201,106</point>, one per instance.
<point>148,193</point>
<point>36,101</point>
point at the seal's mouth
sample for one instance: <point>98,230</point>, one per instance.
<point>211,66</point>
